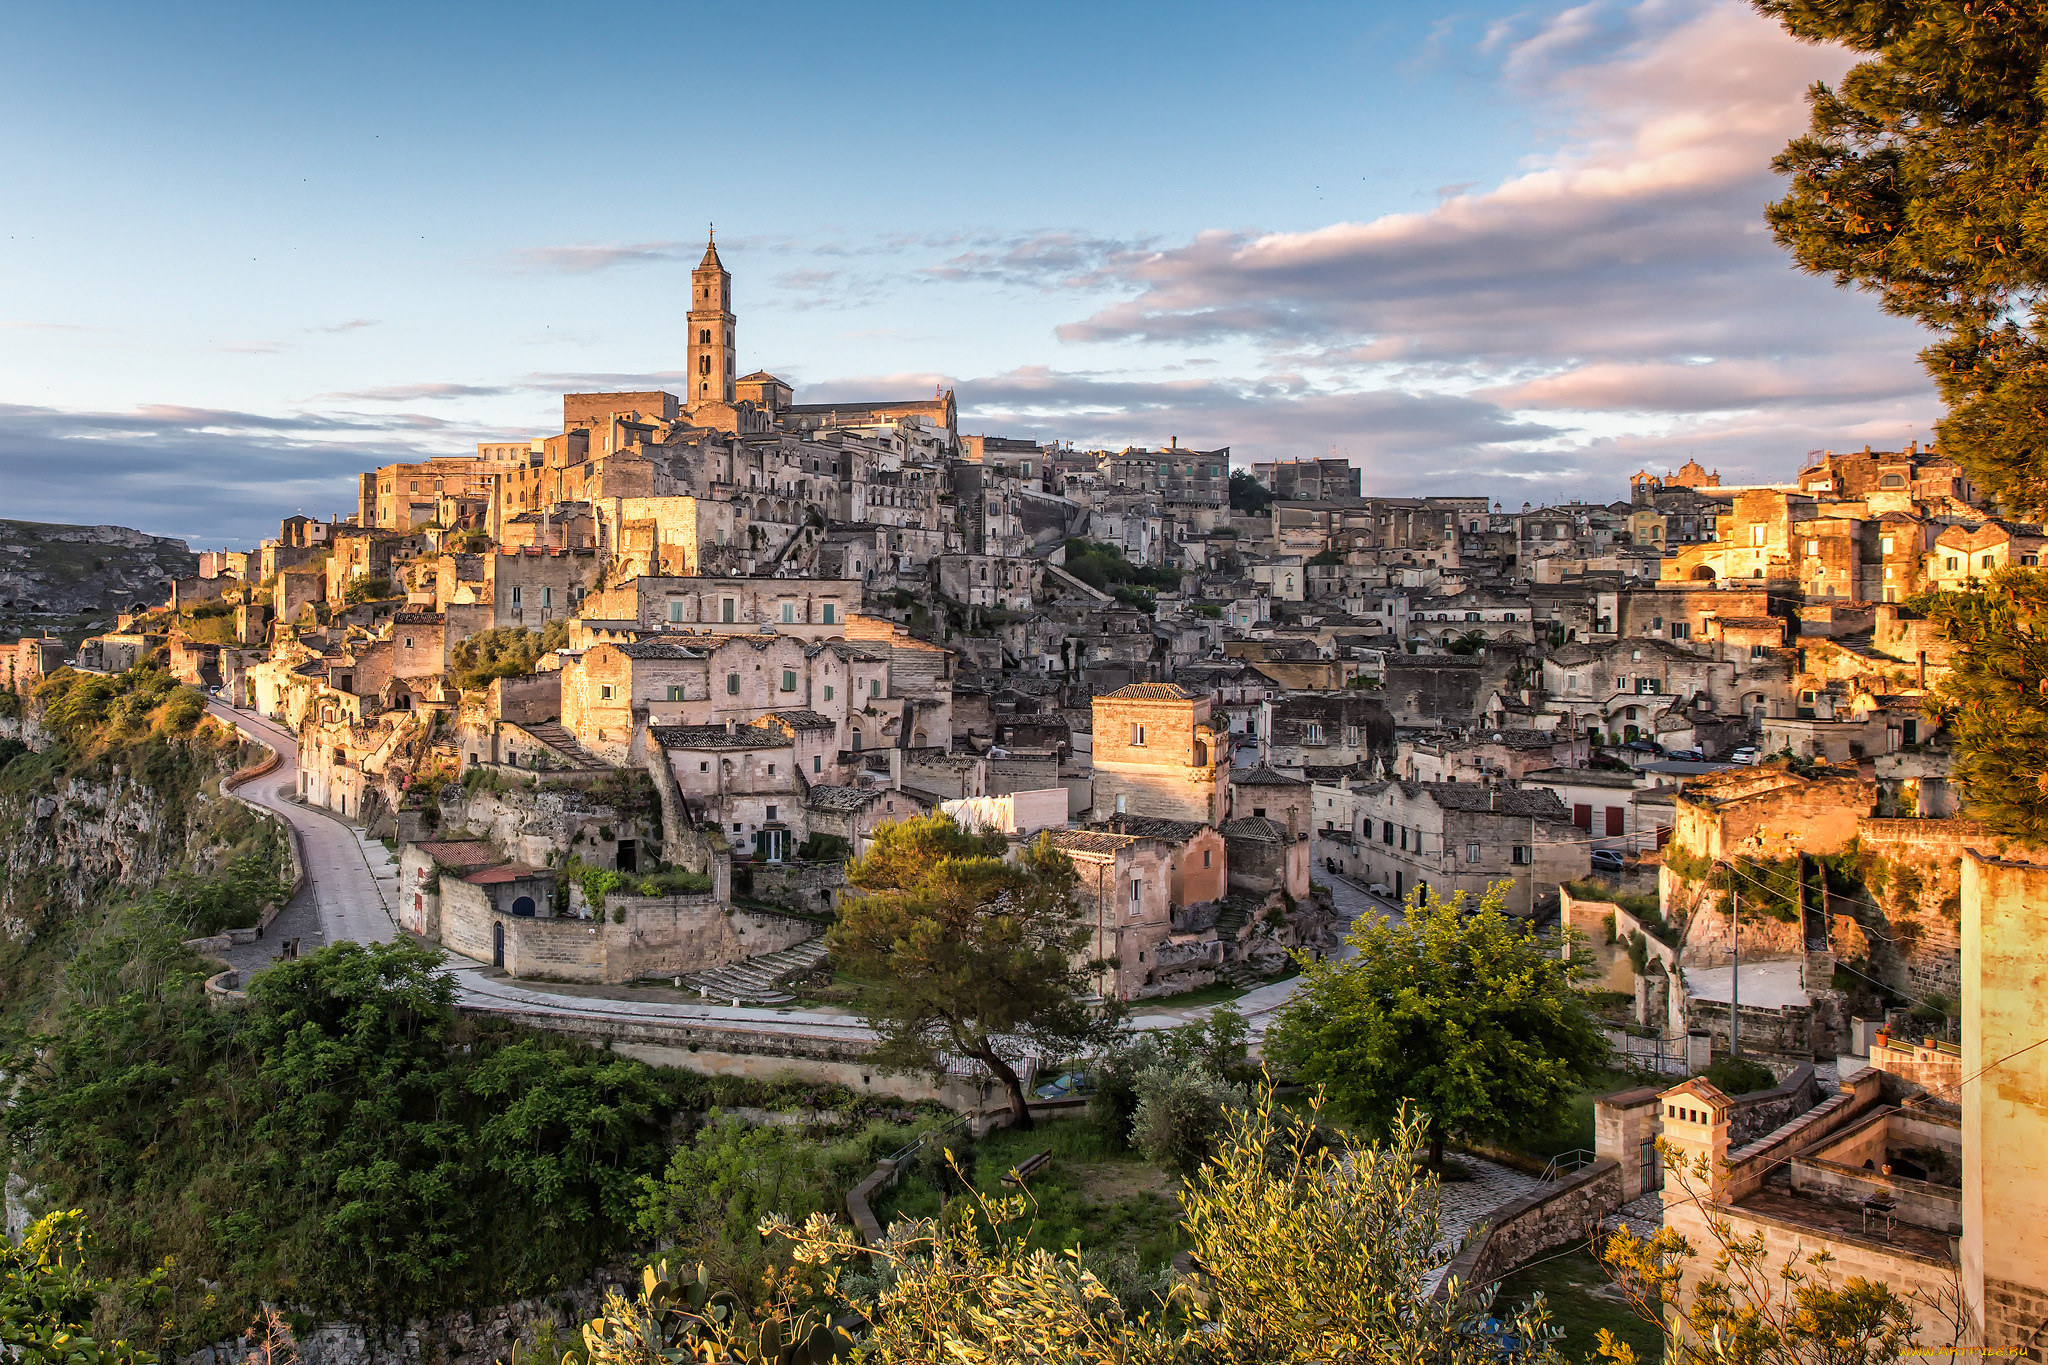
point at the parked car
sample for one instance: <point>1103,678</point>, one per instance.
<point>1746,754</point>
<point>1686,756</point>
<point>1607,860</point>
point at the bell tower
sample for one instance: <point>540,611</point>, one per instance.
<point>712,367</point>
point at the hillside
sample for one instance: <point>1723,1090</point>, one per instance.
<point>71,580</point>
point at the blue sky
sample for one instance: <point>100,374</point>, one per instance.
<point>1511,249</point>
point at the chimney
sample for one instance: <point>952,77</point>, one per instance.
<point>729,725</point>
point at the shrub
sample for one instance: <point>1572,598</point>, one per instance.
<point>1740,1076</point>
<point>1181,1114</point>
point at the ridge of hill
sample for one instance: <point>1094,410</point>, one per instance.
<point>73,580</point>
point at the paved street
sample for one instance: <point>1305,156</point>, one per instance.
<point>349,876</point>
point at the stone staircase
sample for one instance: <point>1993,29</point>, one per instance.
<point>1238,973</point>
<point>757,980</point>
<point>564,746</point>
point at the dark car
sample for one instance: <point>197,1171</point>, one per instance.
<point>1607,860</point>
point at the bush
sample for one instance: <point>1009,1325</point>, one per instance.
<point>363,588</point>
<point>1181,1115</point>
<point>1740,1076</point>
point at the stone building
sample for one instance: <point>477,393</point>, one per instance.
<point>1124,898</point>
<point>1158,753</point>
<point>1449,837</point>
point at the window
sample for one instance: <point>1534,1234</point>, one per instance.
<point>1756,651</point>
<point>1351,736</point>
<point>515,594</point>
<point>829,613</point>
<point>727,608</point>
<point>1756,535</point>
<point>675,609</point>
<point>1136,888</point>
<point>1680,630</point>
<point>771,809</point>
<point>604,692</point>
<point>1892,481</point>
<point>1885,544</point>
<point>788,613</point>
<point>675,692</point>
<point>1507,616</point>
<point>408,642</point>
<point>817,764</point>
<point>1313,733</point>
<point>1471,853</point>
<point>874,687</point>
<point>789,680</point>
<point>547,597</point>
<point>704,767</point>
<point>1813,547</point>
<point>732,684</point>
<point>828,691</point>
<point>1387,831</point>
<point>1522,855</point>
<point>1985,561</point>
<point>1953,563</point>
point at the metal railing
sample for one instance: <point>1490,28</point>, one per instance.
<point>1564,1163</point>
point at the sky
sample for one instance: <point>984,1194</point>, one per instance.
<point>1512,249</point>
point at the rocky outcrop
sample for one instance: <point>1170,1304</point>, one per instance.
<point>52,574</point>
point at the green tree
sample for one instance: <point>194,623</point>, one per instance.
<point>1920,179</point>
<point>503,652</point>
<point>1471,1017</point>
<point>364,588</point>
<point>1311,1247</point>
<point>47,1297</point>
<point>1247,494</point>
<point>1994,699</point>
<point>964,954</point>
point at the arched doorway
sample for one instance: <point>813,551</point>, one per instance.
<point>1704,573</point>
<point>497,945</point>
<point>523,907</point>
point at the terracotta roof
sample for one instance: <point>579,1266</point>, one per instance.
<point>505,872</point>
<point>1155,692</point>
<point>1257,828</point>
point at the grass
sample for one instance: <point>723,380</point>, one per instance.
<point>1216,993</point>
<point>1092,1195</point>
<point>1572,1286</point>
<point>1577,1129</point>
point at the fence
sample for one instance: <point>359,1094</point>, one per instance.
<point>1665,1054</point>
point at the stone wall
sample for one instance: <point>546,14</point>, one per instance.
<point>1624,1129</point>
<point>1921,899</point>
<point>801,888</point>
<point>1556,1215</point>
<point>1609,961</point>
<point>636,936</point>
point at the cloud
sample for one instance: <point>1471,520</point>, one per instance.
<point>352,325</point>
<point>413,393</point>
<point>1639,234</point>
<point>1044,260</point>
<point>584,258</point>
<point>222,475</point>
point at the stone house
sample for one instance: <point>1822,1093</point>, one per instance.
<point>855,813</point>
<point>1266,856</point>
<point>809,608</point>
<point>1124,898</point>
<point>1335,729</point>
<point>1962,556</point>
<point>1198,867</point>
<point>741,778</point>
<point>28,661</point>
<point>1157,752</point>
<point>1463,836</point>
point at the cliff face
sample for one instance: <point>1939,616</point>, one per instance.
<point>72,836</point>
<point>73,578</point>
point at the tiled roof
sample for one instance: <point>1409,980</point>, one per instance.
<point>1258,828</point>
<point>459,852</point>
<point>418,618</point>
<point>1090,840</point>
<point>1156,827</point>
<point>799,719</point>
<point>717,737</point>
<point>657,649</point>
<point>841,798</point>
<point>1264,777</point>
<point>506,872</point>
<point>1155,692</point>
<point>1476,797</point>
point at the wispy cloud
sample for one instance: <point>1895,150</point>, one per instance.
<point>416,393</point>
<point>585,258</point>
<point>352,325</point>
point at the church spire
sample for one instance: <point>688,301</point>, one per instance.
<point>711,261</point>
<point>712,352</point>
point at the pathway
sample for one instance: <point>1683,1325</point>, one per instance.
<point>351,879</point>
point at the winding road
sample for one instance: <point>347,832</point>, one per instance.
<point>351,885</point>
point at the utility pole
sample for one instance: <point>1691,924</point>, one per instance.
<point>1735,975</point>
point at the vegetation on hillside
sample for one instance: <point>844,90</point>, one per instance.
<point>503,652</point>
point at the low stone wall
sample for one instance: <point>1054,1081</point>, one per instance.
<point>1554,1216</point>
<point>635,936</point>
<point>1920,1202</point>
<point>1612,971</point>
<point>1935,1067</point>
<point>295,853</point>
<point>803,888</point>
<point>1748,1165</point>
<point>1762,1111</point>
